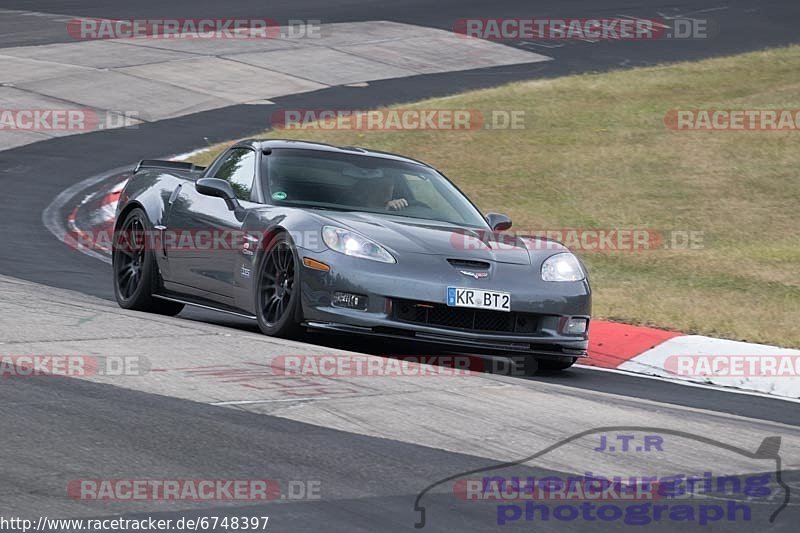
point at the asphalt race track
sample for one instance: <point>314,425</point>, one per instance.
<point>370,477</point>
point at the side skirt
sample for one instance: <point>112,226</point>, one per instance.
<point>204,304</point>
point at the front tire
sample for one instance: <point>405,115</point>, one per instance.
<point>136,276</point>
<point>278,289</point>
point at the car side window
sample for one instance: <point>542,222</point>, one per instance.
<point>239,169</point>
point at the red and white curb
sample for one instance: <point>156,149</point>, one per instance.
<point>103,214</point>
<point>94,240</point>
<point>695,358</point>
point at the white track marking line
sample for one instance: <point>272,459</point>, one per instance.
<point>251,402</point>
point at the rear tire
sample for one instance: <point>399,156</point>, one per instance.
<point>277,295</point>
<point>136,275</point>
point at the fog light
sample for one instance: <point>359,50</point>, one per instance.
<point>576,326</point>
<point>349,300</point>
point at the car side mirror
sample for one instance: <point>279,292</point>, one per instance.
<point>218,188</point>
<point>498,221</point>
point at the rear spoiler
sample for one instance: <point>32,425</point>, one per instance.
<point>174,165</point>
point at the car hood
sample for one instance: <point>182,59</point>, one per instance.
<point>410,235</point>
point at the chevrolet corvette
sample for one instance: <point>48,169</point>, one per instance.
<point>308,236</point>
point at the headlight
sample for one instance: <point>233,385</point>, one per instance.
<point>562,267</point>
<point>351,243</point>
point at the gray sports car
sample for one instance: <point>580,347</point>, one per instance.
<point>305,235</point>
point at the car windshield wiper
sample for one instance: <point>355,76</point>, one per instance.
<point>325,208</point>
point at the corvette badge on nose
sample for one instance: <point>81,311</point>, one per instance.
<point>476,275</point>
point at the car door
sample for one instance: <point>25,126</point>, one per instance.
<point>206,234</point>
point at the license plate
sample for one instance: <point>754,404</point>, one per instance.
<point>478,298</point>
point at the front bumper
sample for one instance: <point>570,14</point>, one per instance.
<point>464,340</point>
<point>424,279</point>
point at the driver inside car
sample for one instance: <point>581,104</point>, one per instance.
<point>380,193</point>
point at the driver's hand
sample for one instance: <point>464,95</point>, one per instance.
<point>397,205</point>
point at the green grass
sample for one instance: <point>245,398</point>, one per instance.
<point>595,154</point>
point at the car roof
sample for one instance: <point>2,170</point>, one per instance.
<point>264,144</point>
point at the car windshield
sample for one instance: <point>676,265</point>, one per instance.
<point>350,182</point>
